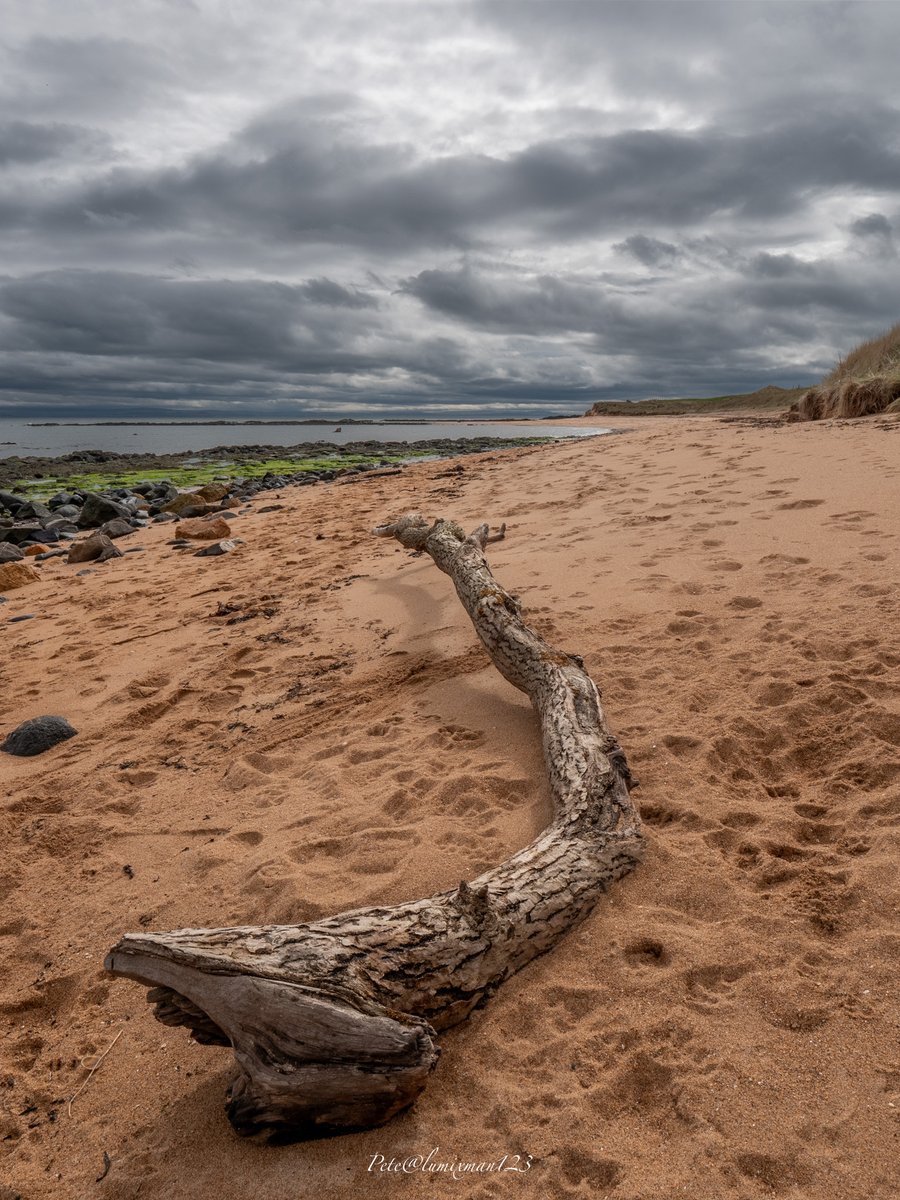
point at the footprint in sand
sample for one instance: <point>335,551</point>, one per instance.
<point>744,602</point>
<point>646,952</point>
<point>709,988</point>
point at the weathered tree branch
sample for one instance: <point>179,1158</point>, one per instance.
<point>333,1023</point>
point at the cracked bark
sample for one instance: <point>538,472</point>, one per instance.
<point>333,1023</point>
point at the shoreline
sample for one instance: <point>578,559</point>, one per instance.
<point>36,474</point>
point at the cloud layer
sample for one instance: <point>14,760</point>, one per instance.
<point>443,207</point>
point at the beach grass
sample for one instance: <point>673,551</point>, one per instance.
<point>865,381</point>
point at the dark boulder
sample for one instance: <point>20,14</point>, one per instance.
<point>34,510</point>
<point>61,524</point>
<point>117,528</point>
<point>10,553</point>
<point>36,736</point>
<point>10,502</point>
<point>48,534</point>
<point>98,509</point>
<point>28,531</point>
<point>165,491</point>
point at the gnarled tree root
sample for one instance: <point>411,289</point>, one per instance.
<point>333,1023</point>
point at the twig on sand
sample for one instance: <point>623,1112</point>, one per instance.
<point>91,1071</point>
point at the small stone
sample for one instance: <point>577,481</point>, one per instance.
<point>216,549</point>
<point>36,548</point>
<point>36,736</point>
<point>17,574</point>
<point>203,528</point>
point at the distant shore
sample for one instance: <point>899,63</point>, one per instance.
<point>333,421</point>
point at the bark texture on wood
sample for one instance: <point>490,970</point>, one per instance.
<point>333,1023</point>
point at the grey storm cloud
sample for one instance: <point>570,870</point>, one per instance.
<point>485,206</point>
<point>648,250</point>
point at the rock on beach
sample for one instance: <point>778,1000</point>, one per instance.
<point>17,574</point>
<point>98,546</point>
<point>37,735</point>
<point>204,529</point>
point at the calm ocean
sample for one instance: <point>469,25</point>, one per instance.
<point>19,438</point>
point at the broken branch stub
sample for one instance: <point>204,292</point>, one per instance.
<point>333,1023</point>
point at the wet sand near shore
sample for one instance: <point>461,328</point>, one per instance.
<point>309,724</point>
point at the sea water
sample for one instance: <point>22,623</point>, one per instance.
<point>24,439</point>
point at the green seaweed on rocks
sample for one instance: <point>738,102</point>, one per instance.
<point>194,470</point>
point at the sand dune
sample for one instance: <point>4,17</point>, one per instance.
<point>308,724</point>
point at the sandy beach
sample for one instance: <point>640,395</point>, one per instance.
<point>309,724</point>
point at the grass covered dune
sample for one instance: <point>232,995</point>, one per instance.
<point>866,381</point>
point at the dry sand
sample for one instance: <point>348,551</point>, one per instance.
<point>723,1025</point>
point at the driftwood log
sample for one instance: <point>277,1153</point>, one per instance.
<point>333,1023</point>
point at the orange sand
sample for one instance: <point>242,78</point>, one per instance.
<point>723,1025</point>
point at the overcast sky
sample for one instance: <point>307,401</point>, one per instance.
<point>278,208</point>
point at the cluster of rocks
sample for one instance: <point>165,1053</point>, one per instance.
<point>32,531</point>
<point>114,461</point>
